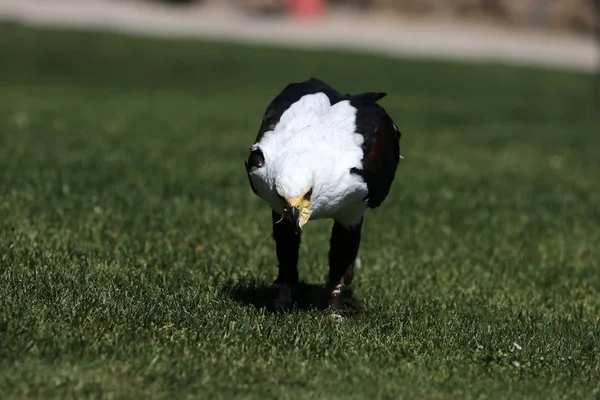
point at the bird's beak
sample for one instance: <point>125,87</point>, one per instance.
<point>295,216</point>
<point>298,211</point>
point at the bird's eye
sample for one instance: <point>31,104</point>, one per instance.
<point>256,159</point>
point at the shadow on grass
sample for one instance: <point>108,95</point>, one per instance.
<point>308,296</point>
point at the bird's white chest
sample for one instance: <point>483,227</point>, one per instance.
<point>341,196</point>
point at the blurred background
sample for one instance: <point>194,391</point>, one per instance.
<point>568,15</point>
<point>548,32</point>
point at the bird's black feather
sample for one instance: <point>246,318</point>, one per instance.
<point>381,146</point>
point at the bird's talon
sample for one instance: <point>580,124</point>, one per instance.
<point>335,302</point>
<point>337,317</point>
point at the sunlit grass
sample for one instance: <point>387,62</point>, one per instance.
<point>135,260</point>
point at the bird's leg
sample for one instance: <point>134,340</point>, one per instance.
<point>343,250</point>
<point>287,246</point>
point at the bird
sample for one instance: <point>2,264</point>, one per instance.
<point>321,154</point>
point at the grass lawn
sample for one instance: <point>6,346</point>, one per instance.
<point>135,262</point>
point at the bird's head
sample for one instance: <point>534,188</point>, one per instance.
<point>286,181</point>
<point>294,181</point>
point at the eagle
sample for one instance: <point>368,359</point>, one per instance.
<point>320,154</point>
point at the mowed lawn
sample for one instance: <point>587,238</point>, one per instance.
<point>135,261</point>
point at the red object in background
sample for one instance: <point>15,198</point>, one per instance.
<point>306,9</point>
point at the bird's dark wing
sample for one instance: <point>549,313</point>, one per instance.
<point>291,94</point>
<point>381,146</point>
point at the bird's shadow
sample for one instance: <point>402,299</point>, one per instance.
<point>307,296</point>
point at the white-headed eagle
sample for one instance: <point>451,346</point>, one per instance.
<point>321,154</point>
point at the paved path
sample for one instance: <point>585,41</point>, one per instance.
<point>390,35</point>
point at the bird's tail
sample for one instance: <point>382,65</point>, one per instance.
<point>372,96</point>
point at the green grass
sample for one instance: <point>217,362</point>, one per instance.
<point>135,260</point>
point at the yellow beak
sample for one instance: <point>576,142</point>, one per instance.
<point>298,210</point>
